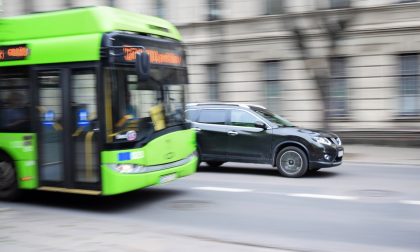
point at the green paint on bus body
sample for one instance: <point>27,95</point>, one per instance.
<point>74,35</point>
<point>21,148</point>
<point>163,150</point>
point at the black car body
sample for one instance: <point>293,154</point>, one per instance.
<point>252,134</point>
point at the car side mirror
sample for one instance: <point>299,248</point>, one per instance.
<point>261,125</point>
<point>142,65</point>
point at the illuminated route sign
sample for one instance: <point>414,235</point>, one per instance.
<point>156,56</point>
<point>161,52</point>
<point>14,52</point>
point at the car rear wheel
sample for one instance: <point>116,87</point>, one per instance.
<point>214,163</point>
<point>292,162</point>
<point>8,183</point>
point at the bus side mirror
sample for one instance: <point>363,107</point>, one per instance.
<point>142,65</point>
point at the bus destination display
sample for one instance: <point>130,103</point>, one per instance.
<point>15,52</point>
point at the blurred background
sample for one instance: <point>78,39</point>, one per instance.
<point>347,66</point>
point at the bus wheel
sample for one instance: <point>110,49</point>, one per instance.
<point>198,153</point>
<point>8,183</point>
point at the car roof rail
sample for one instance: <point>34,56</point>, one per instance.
<point>226,104</point>
<point>258,106</point>
<point>215,103</point>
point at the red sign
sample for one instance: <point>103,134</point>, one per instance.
<point>15,52</point>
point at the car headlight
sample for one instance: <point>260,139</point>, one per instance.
<point>126,168</point>
<point>338,141</point>
<point>322,140</point>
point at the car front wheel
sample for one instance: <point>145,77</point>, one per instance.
<point>292,162</point>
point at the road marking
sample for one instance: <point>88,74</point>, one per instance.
<point>300,195</point>
<point>410,202</point>
<point>321,196</point>
<point>222,189</point>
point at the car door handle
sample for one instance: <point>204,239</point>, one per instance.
<point>196,129</point>
<point>232,133</point>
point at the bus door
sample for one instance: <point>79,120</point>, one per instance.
<point>67,128</point>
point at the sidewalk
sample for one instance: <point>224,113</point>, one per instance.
<point>382,154</point>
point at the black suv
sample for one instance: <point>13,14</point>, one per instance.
<point>252,134</point>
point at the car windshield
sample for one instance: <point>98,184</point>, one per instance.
<point>276,119</point>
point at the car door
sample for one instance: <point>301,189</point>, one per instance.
<point>210,125</point>
<point>246,142</point>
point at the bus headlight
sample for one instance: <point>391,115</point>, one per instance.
<point>126,168</point>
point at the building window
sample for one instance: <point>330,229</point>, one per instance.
<point>337,97</point>
<point>339,4</point>
<point>68,3</point>
<point>409,90</point>
<point>272,85</point>
<point>28,6</point>
<point>214,10</point>
<point>274,7</point>
<point>408,1</point>
<point>213,79</point>
<point>160,8</point>
<point>111,3</point>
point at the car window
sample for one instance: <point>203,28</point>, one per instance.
<point>192,114</point>
<point>280,121</point>
<point>242,118</point>
<point>212,116</point>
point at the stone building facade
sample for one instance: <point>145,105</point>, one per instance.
<point>367,51</point>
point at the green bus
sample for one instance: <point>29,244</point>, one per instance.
<point>92,102</point>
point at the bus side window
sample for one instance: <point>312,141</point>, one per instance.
<point>84,109</point>
<point>14,104</point>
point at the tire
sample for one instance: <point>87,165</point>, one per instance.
<point>198,159</point>
<point>214,163</point>
<point>8,180</point>
<point>292,162</point>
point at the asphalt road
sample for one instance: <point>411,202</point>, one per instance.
<point>353,207</point>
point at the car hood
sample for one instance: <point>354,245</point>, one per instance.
<point>308,132</point>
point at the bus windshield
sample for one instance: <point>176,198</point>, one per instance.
<point>135,101</point>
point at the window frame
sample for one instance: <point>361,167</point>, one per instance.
<point>341,78</point>
<point>226,115</point>
<point>229,121</point>
<point>213,82</point>
<point>214,10</point>
<point>339,4</point>
<point>24,73</point>
<point>269,5</point>
<point>272,81</point>
<point>402,111</point>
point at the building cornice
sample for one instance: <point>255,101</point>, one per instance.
<point>315,13</point>
<point>372,29</point>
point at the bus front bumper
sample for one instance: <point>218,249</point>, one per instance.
<point>114,182</point>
